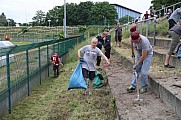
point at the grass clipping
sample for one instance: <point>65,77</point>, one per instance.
<point>52,101</point>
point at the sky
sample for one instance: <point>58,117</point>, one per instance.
<point>22,11</point>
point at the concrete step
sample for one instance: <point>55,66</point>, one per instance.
<point>161,52</point>
<point>161,80</point>
<point>161,42</point>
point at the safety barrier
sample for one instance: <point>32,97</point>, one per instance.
<point>29,68</point>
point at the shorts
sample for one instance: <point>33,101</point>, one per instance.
<point>107,53</point>
<point>175,40</point>
<point>118,38</point>
<point>171,23</point>
<point>88,74</point>
<point>98,60</point>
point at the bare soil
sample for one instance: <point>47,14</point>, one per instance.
<point>151,108</point>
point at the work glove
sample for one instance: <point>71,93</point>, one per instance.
<point>135,66</point>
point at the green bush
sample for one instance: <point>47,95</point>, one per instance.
<point>82,29</point>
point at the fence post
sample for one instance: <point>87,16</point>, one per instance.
<point>88,35</point>
<point>28,73</point>
<point>141,27</point>
<point>53,48</point>
<point>59,48</point>
<point>154,33</point>
<point>48,60</point>
<point>39,63</point>
<point>77,41</point>
<point>64,47</point>
<point>174,8</point>
<point>9,82</point>
<point>147,28</point>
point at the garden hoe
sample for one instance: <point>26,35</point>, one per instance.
<point>137,87</point>
<point>137,84</point>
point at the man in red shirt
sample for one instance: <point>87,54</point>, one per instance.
<point>55,59</point>
<point>146,15</point>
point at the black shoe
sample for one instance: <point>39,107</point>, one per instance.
<point>130,89</point>
<point>169,66</point>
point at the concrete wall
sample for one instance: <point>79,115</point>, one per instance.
<point>169,98</point>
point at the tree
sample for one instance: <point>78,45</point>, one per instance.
<point>56,16</point>
<point>39,18</point>
<point>102,13</point>
<point>11,22</point>
<point>3,21</point>
<point>84,13</point>
<point>125,19</point>
<point>157,4</point>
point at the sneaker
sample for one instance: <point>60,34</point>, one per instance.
<point>143,90</point>
<point>90,93</point>
<point>169,66</point>
<point>130,89</point>
<point>84,92</point>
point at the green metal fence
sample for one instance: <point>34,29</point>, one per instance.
<point>26,66</point>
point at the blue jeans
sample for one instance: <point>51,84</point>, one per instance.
<point>142,70</point>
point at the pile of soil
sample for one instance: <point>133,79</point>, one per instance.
<point>151,108</point>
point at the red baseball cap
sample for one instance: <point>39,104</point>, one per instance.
<point>133,29</point>
<point>134,37</point>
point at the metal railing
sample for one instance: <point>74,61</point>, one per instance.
<point>163,10</point>
<point>148,28</point>
<point>26,66</point>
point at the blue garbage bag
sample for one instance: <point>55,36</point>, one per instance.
<point>77,79</point>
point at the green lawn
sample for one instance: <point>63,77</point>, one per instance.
<point>52,100</point>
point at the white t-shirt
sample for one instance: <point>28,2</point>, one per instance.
<point>90,57</point>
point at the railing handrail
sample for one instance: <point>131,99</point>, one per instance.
<point>167,7</point>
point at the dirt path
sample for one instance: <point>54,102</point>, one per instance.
<point>151,108</point>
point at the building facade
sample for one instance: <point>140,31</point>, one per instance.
<point>123,11</point>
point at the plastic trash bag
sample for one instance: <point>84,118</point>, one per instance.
<point>98,80</point>
<point>77,79</point>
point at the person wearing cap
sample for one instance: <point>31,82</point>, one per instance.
<point>175,33</point>
<point>143,60</point>
<point>133,29</point>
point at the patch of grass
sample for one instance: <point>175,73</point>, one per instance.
<point>52,100</point>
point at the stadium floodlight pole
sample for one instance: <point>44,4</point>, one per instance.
<point>65,18</point>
